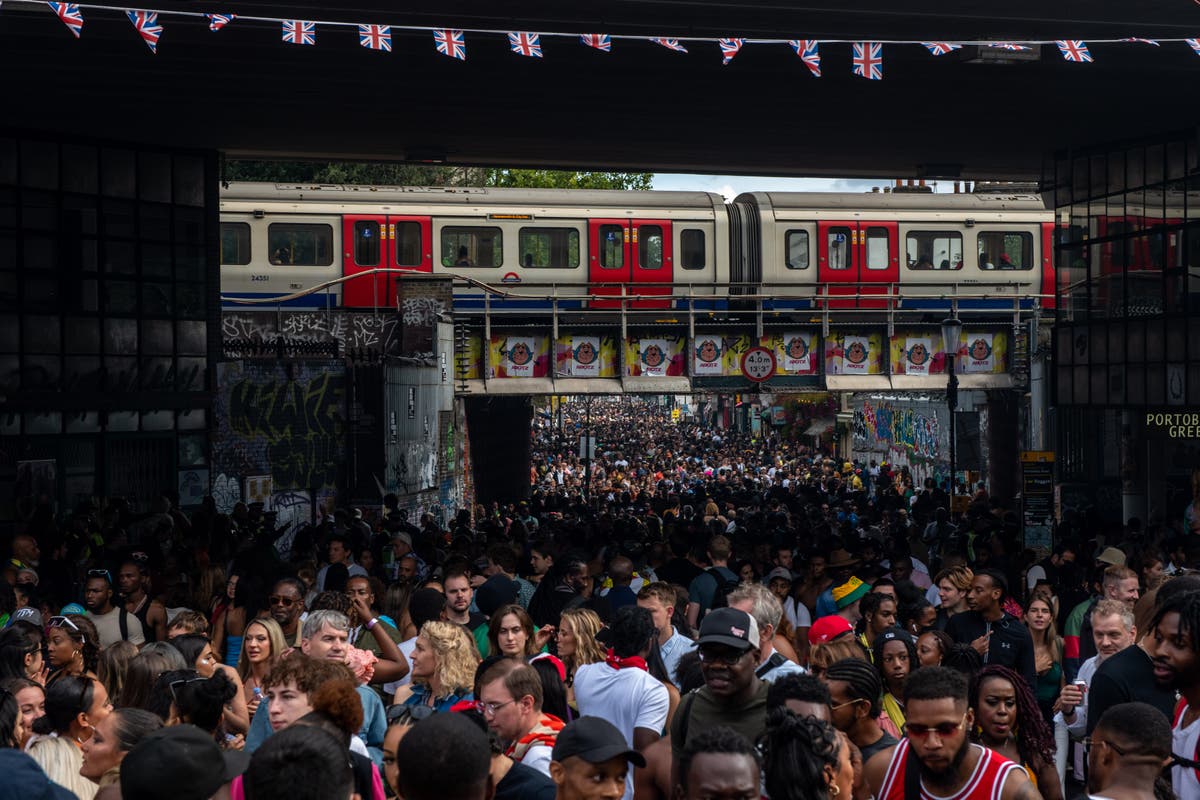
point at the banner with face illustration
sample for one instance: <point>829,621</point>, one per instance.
<point>519,356</point>
<point>856,356</point>
<point>796,353</point>
<point>706,354</point>
<point>654,356</point>
<point>918,355</point>
<point>980,353</point>
<point>585,356</point>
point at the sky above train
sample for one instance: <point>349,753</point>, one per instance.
<point>732,185</point>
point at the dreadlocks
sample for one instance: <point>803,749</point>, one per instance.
<point>1035,740</point>
<point>1187,606</point>
<point>796,750</point>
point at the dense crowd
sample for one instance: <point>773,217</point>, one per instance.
<point>691,612</point>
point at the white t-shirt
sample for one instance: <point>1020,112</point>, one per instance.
<point>406,648</point>
<point>108,626</point>
<point>797,614</point>
<point>538,757</point>
<point>628,698</point>
<point>1185,742</point>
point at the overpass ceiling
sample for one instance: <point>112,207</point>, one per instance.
<point>641,107</point>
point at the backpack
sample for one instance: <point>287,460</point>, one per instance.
<point>724,587</point>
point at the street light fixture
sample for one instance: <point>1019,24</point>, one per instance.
<point>951,333</point>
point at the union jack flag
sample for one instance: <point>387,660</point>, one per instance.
<point>1194,44</point>
<point>1008,46</point>
<point>70,14</point>
<point>807,50</point>
<point>1143,41</point>
<point>868,60</point>
<point>600,41</point>
<point>941,48</point>
<point>526,44</point>
<point>1073,50</point>
<point>451,43</point>
<point>671,44</point>
<point>730,48</point>
<point>297,31</point>
<point>375,37</point>
<point>146,23</point>
<point>218,21</point>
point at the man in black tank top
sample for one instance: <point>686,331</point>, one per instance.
<point>132,580</point>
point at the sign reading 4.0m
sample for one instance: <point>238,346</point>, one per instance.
<point>758,364</point>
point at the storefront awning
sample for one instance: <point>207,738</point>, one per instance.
<point>819,426</point>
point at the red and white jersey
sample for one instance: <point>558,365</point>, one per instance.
<point>1185,742</point>
<point>986,781</point>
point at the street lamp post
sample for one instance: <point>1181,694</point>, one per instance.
<point>951,333</point>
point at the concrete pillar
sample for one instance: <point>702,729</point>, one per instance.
<point>500,447</point>
<point>1004,443</point>
<point>1133,465</point>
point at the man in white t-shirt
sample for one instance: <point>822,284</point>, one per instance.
<point>620,689</point>
<point>113,623</point>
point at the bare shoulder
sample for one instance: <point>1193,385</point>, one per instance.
<point>876,768</point>
<point>1017,786</point>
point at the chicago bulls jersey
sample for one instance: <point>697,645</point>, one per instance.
<point>986,781</point>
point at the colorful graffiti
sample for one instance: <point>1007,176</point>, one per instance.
<point>881,427</point>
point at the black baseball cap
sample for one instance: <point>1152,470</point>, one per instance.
<point>595,740</point>
<point>177,763</point>
<point>730,627</point>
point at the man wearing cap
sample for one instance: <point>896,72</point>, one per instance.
<point>1117,582</point>
<point>839,568</point>
<point>590,761</point>
<point>732,694</point>
<point>847,597</point>
<point>827,629</point>
<point>994,633</point>
<point>402,552</point>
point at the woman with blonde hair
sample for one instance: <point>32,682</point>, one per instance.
<point>822,654</point>
<point>443,667</point>
<point>263,644</point>
<point>114,664</point>
<point>577,645</point>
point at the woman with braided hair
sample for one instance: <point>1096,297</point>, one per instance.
<point>1008,720</point>
<point>804,758</point>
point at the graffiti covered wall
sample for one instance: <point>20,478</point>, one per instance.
<point>912,433</point>
<point>283,420</point>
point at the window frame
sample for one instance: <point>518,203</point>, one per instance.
<point>315,225</point>
<point>456,229</point>
<point>534,230</point>
<point>787,249</point>
<point>684,250</point>
<point>642,249</point>
<point>934,233</point>
<point>401,224</point>
<point>1029,242</point>
<point>871,233</point>
<point>380,236</point>
<point>249,238</point>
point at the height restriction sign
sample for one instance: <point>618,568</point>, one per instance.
<point>758,364</point>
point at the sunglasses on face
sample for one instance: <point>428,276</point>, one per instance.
<point>726,657</point>
<point>280,600</point>
<point>943,729</point>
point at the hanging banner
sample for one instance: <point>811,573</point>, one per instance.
<point>706,355</point>
<point>519,356</point>
<point>854,354</point>
<point>583,356</point>
<point>980,354</point>
<point>652,355</point>
<point>796,353</point>
<point>655,357</point>
<point>918,355</point>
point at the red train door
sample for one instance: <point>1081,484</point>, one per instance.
<point>837,261</point>
<point>652,262</point>
<point>610,259</point>
<point>879,264</point>
<point>364,247</point>
<point>409,247</point>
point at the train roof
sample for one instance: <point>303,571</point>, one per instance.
<point>247,191</point>
<point>896,201</point>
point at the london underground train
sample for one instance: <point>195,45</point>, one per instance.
<point>289,245</point>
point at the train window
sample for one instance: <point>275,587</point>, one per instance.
<point>650,246</point>
<point>840,240</point>
<point>691,249</point>
<point>934,249</point>
<point>797,250</point>
<point>299,244</point>
<point>235,243</point>
<point>473,246</point>
<point>408,244</point>
<point>549,248</point>
<point>1005,250</point>
<point>878,255</point>
<point>612,246</point>
<point>366,243</point>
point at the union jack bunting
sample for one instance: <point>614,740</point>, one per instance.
<point>1073,50</point>
<point>809,54</point>
<point>868,60</point>
<point>297,31</point>
<point>526,44</point>
<point>70,14</point>
<point>375,37</point>
<point>671,44</point>
<point>1194,44</point>
<point>146,24</point>
<point>730,48</point>
<point>600,41</point>
<point>451,43</point>
<point>941,48</point>
<point>1143,41</point>
<point>1008,46</point>
<point>218,21</point>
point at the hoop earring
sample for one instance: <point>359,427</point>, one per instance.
<point>834,790</point>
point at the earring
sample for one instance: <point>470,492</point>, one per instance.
<point>834,790</point>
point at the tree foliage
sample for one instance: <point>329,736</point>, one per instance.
<point>393,174</point>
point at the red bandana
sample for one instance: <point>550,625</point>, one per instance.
<point>636,662</point>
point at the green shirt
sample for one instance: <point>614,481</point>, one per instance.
<point>699,711</point>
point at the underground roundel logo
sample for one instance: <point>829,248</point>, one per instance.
<point>511,277</point>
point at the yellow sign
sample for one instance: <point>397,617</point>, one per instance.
<point>675,415</point>
<point>1038,456</point>
<point>1178,425</point>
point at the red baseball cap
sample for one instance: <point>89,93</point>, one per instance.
<point>826,629</point>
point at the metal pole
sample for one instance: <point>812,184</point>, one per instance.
<point>587,454</point>
<point>952,399</point>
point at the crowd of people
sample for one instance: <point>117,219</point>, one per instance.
<point>695,613</point>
